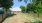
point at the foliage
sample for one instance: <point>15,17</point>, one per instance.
<point>22,8</point>
<point>19,0</point>
<point>35,6</point>
<point>24,1</point>
<point>6,4</point>
<point>31,7</point>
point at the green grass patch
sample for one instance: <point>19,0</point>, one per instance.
<point>34,19</point>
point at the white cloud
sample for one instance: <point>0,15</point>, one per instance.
<point>16,9</point>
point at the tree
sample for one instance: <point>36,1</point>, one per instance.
<point>35,6</point>
<point>23,8</point>
<point>29,7</point>
<point>38,9</point>
<point>6,4</point>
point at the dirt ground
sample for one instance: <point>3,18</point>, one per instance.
<point>18,18</point>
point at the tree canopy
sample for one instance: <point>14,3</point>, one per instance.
<point>35,6</point>
<point>23,8</point>
<point>6,3</point>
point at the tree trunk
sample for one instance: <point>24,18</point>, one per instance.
<point>38,15</point>
<point>2,16</point>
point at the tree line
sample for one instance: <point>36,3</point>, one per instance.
<point>34,6</point>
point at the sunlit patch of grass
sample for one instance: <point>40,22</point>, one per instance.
<point>33,19</point>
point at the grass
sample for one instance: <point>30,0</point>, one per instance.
<point>33,19</point>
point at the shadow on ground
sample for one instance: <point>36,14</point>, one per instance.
<point>10,15</point>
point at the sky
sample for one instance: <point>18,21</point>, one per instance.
<point>16,6</point>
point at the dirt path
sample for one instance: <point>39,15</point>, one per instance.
<point>19,18</point>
